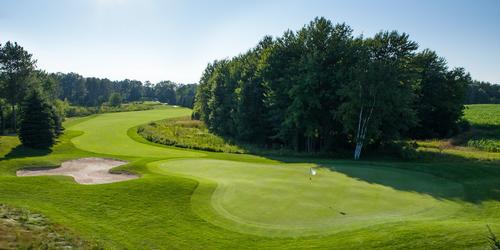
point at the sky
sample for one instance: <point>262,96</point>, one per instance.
<point>174,40</point>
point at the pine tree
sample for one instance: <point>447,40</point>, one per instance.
<point>38,126</point>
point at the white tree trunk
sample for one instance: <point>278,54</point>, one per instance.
<point>362,130</point>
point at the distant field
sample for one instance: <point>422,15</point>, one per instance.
<point>483,114</point>
<point>485,121</point>
<point>481,141</point>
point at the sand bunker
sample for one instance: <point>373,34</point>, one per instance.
<point>85,171</point>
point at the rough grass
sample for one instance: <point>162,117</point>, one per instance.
<point>186,133</point>
<point>22,229</point>
<point>171,205</point>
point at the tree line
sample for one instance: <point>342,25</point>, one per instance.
<point>30,98</point>
<point>322,89</point>
<point>24,91</point>
<point>92,91</point>
<point>483,92</point>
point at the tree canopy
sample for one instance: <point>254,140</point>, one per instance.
<point>322,89</point>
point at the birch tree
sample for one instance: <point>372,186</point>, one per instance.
<point>379,95</point>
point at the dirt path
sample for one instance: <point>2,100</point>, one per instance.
<point>85,171</point>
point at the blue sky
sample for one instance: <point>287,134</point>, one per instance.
<point>159,40</point>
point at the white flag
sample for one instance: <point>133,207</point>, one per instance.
<point>313,171</point>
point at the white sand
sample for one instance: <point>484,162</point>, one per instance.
<point>85,171</point>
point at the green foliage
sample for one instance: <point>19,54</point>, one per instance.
<point>165,92</point>
<point>186,133</point>
<point>16,75</point>
<point>75,111</point>
<point>377,105</point>
<point>491,145</point>
<point>16,68</point>
<point>184,95</point>
<point>440,95</point>
<point>40,125</point>
<point>115,99</point>
<point>93,92</point>
<point>320,89</point>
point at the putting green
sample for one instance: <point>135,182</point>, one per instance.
<point>107,134</point>
<point>281,199</point>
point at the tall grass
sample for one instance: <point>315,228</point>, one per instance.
<point>186,133</point>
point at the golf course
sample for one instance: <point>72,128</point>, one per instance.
<point>194,199</point>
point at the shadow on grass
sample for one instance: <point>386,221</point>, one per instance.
<point>21,151</point>
<point>464,179</point>
<point>484,137</point>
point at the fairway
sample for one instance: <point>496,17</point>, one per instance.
<point>196,199</point>
<point>282,199</point>
<point>112,129</point>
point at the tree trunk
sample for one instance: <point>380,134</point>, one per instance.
<point>362,130</point>
<point>2,121</point>
<point>357,151</point>
<point>14,120</point>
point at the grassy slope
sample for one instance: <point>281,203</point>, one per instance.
<point>112,128</point>
<point>186,133</point>
<point>155,211</point>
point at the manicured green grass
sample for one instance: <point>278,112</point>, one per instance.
<point>284,200</point>
<point>226,201</point>
<point>112,129</point>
